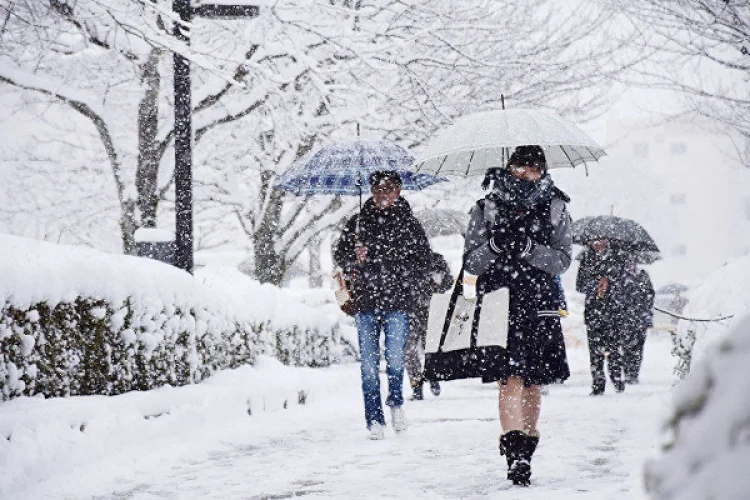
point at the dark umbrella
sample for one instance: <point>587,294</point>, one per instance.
<point>639,257</point>
<point>672,288</point>
<point>624,234</point>
<point>443,222</point>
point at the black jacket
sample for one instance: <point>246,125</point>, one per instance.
<point>438,279</point>
<point>614,308</point>
<point>398,257</point>
<point>643,301</point>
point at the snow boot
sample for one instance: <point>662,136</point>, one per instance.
<point>435,388</point>
<point>417,394</point>
<point>518,447</point>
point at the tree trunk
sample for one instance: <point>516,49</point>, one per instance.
<point>270,266</point>
<point>128,226</point>
<point>147,173</point>
<point>316,277</point>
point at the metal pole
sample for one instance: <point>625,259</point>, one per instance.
<point>183,145</point>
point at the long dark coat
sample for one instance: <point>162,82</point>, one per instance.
<point>398,257</point>
<point>613,311</point>
<point>536,349</point>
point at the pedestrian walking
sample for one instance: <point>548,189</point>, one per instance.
<point>603,278</point>
<point>438,280</point>
<point>641,318</point>
<point>385,249</point>
<point>519,237</point>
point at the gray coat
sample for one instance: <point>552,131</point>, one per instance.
<point>553,259</point>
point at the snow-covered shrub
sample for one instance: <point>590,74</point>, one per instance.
<point>725,293</point>
<point>708,447</point>
<point>77,321</point>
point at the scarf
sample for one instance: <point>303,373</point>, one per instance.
<point>519,192</point>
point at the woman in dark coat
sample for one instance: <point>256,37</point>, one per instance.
<point>519,237</point>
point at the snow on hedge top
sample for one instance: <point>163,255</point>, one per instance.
<point>711,445</point>
<point>725,292</point>
<point>33,271</point>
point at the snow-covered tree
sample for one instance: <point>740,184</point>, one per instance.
<point>700,48</point>
<point>269,91</point>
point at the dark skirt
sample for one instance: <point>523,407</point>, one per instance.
<point>535,348</point>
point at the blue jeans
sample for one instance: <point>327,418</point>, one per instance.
<point>395,326</point>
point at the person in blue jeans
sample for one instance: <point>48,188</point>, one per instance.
<point>384,251</point>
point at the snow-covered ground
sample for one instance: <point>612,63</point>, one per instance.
<point>242,434</point>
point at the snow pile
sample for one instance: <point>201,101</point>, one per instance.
<point>85,436</point>
<point>79,321</point>
<point>709,447</point>
<point>725,293</point>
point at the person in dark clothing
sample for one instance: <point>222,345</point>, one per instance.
<point>438,280</point>
<point>519,237</point>
<point>604,280</point>
<point>385,250</point>
<point>641,319</point>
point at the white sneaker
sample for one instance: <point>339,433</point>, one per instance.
<point>377,432</point>
<point>398,416</point>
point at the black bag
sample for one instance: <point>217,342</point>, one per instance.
<point>487,362</point>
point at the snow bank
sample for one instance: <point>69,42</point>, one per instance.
<point>64,438</point>
<point>708,446</point>
<point>726,292</point>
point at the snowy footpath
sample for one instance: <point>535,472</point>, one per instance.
<point>244,435</point>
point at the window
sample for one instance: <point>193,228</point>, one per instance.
<point>677,198</point>
<point>640,150</point>
<point>677,148</point>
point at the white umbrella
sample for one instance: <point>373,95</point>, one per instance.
<point>475,143</point>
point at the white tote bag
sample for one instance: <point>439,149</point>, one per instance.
<point>492,328</point>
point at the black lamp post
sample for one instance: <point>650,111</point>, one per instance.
<point>183,125</point>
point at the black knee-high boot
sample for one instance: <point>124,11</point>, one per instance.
<point>518,448</point>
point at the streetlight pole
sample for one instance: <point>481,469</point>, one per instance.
<point>183,123</point>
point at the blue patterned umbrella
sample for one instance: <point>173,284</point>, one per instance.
<point>346,168</point>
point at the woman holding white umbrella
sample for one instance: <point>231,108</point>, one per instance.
<point>519,237</point>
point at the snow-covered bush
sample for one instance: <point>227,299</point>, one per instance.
<point>78,321</point>
<point>725,293</point>
<point>708,448</point>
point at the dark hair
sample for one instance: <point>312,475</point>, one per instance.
<point>382,176</point>
<point>528,155</point>
<point>522,155</point>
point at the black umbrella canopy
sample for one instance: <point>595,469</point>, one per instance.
<point>624,234</point>
<point>639,257</point>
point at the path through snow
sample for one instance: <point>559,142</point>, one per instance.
<point>591,448</point>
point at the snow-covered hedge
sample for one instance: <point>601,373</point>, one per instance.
<point>77,321</point>
<point>725,293</point>
<point>708,448</point>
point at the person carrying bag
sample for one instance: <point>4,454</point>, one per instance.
<point>462,341</point>
<point>519,238</point>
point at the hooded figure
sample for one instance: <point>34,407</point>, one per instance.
<point>519,237</point>
<point>385,250</point>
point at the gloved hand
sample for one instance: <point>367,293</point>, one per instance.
<point>514,244</point>
<point>470,286</point>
